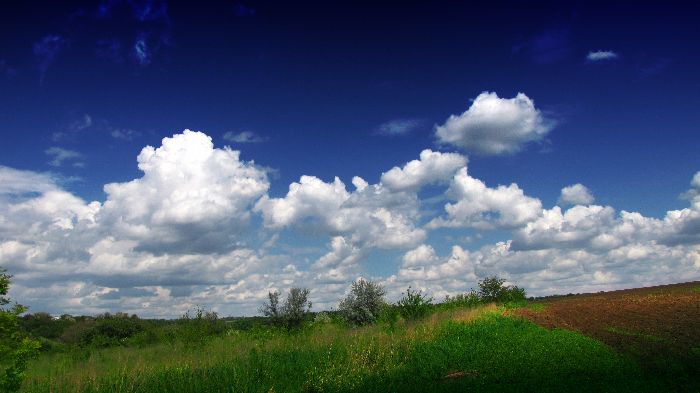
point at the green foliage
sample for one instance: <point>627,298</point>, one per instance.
<point>292,313</point>
<point>414,304</point>
<point>16,349</point>
<point>469,299</point>
<point>296,307</point>
<point>491,289</point>
<point>364,303</point>
<point>492,353</point>
<point>195,327</point>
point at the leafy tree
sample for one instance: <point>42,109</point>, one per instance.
<point>15,347</point>
<point>414,304</point>
<point>491,289</point>
<point>364,303</point>
<point>296,307</point>
<point>272,308</point>
<point>292,313</point>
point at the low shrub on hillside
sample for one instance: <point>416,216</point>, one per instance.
<point>414,304</point>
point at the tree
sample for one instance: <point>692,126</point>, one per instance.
<point>296,307</point>
<point>491,289</point>
<point>15,347</point>
<point>292,313</point>
<point>272,308</point>
<point>364,303</point>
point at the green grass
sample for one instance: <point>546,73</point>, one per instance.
<point>484,349</point>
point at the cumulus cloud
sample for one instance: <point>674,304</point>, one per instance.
<point>601,55</point>
<point>495,126</point>
<point>479,206</point>
<point>398,127</point>
<point>244,137</point>
<point>199,228</point>
<point>191,197</point>
<point>60,155</point>
<point>576,194</point>
<point>432,167</point>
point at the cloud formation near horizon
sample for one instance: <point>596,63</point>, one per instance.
<point>199,227</point>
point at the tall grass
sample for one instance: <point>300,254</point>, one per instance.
<point>476,349</point>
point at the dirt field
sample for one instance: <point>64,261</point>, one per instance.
<point>657,325</point>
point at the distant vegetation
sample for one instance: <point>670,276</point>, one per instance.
<point>466,342</point>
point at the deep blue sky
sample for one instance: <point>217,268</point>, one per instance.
<point>85,85</point>
<point>317,79</point>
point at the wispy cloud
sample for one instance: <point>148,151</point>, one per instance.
<point>548,46</point>
<point>398,127</point>
<point>125,134</point>
<point>244,137</point>
<point>60,155</point>
<point>601,55</point>
<point>45,51</point>
<point>80,124</point>
<point>7,70</point>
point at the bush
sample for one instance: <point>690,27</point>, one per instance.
<point>363,304</point>
<point>469,299</point>
<point>414,304</point>
<point>491,289</point>
<point>294,310</point>
<point>195,327</point>
<point>15,347</point>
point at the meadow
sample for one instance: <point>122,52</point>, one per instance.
<point>450,347</point>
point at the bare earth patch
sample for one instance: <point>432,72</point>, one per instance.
<point>649,323</point>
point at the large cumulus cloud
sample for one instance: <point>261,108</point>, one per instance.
<point>495,126</point>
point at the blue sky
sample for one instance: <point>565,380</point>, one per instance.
<point>530,98</point>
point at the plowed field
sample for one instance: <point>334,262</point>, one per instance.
<point>659,326</point>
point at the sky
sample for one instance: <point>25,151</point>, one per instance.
<point>157,156</point>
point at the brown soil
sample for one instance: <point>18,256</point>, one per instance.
<point>649,323</point>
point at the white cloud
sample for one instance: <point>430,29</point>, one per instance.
<point>495,126</point>
<point>696,180</point>
<point>421,255</point>
<point>433,167</point>
<point>576,194</point>
<point>191,197</point>
<point>478,206</point>
<point>244,137</point>
<point>186,234</point>
<point>601,55</point>
<point>398,127</point>
<point>60,155</point>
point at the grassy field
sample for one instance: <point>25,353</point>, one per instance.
<point>472,349</point>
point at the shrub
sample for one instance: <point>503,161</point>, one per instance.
<point>491,289</point>
<point>364,303</point>
<point>196,326</point>
<point>414,304</point>
<point>469,299</point>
